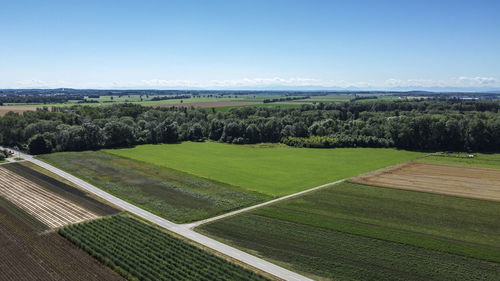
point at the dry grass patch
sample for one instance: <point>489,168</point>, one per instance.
<point>47,207</point>
<point>16,108</point>
<point>476,183</point>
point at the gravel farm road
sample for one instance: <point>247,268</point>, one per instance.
<point>180,229</point>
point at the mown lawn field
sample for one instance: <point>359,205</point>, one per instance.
<point>274,170</point>
<point>141,252</point>
<point>356,232</point>
<point>480,160</point>
<point>169,193</point>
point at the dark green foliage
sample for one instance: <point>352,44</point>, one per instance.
<point>38,144</point>
<point>4,153</point>
<point>338,141</point>
<point>417,125</point>
<point>141,252</point>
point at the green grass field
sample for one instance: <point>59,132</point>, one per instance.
<point>357,232</point>
<point>330,98</point>
<point>146,101</point>
<point>479,160</point>
<point>169,193</point>
<point>275,170</point>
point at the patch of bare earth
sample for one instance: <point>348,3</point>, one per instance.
<point>15,108</point>
<point>210,104</point>
<point>477,183</point>
<point>47,207</point>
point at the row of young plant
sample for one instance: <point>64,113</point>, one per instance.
<point>141,252</point>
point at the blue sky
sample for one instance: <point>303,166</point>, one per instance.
<point>250,44</point>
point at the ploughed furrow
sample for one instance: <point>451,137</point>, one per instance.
<point>49,208</point>
<point>477,183</point>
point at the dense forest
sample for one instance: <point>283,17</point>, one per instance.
<point>451,125</point>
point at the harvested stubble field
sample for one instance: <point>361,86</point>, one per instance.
<point>48,180</point>
<point>16,108</point>
<point>356,232</point>
<point>477,183</point>
<point>46,206</point>
<point>27,255</point>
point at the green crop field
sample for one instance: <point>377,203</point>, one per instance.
<point>141,252</point>
<point>169,193</point>
<point>479,160</point>
<point>274,170</point>
<point>357,232</point>
<point>330,98</point>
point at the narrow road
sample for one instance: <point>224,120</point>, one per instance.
<point>198,223</point>
<point>180,229</point>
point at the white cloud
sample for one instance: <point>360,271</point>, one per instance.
<point>458,82</point>
<point>464,82</point>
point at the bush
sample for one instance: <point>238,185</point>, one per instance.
<point>39,145</point>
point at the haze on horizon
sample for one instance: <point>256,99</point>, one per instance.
<point>385,45</point>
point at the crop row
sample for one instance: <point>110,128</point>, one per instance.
<point>27,255</point>
<point>47,207</point>
<point>139,251</point>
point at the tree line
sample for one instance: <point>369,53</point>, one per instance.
<point>415,125</point>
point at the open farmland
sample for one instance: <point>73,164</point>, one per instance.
<point>16,108</point>
<point>261,105</point>
<point>169,193</point>
<point>210,104</point>
<point>52,183</point>
<point>275,170</point>
<point>480,160</point>
<point>357,232</point>
<point>468,182</point>
<point>27,255</point>
<point>46,206</point>
<point>141,252</point>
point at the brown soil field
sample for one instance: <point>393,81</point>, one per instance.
<point>69,192</point>
<point>27,255</point>
<point>211,104</point>
<point>15,108</point>
<point>476,183</point>
<point>47,207</point>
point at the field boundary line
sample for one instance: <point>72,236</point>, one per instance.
<point>192,225</point>
<point>179,229</point>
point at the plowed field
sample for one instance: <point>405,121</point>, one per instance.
<point>477,183</point>
<point>27,255</point>
<point>47,207</point>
